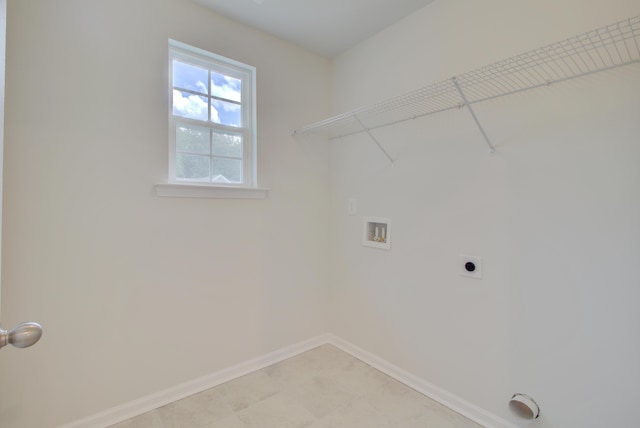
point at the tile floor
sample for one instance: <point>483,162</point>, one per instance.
<point>321,388</point>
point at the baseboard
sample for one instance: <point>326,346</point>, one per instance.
<point>142,405</point>
<point>453,402</point>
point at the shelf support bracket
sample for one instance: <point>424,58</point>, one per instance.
<point>475,118</point>
<point>365,129</point>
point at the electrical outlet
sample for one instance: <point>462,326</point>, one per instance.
<point>471,266</point>
<point>352,206</point>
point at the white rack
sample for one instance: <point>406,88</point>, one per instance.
<point>602,49</point>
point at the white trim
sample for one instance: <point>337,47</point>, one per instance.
<point>452,401</point>
<point>191,50</point>
<point>3,38</point>
<point>174,190</point>
<point>247,74</point>
<point>150,402</point>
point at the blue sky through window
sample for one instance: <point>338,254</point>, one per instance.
<point>226,87</point>
<point>226,93</point>
<point>186,76</point>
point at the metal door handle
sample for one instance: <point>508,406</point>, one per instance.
<point>22,336</point>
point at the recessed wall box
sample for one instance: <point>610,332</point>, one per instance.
<point>377,233</point>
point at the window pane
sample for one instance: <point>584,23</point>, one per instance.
<point>227,144</point>
<point>189,105</point>
<point>227,170</point>
<point>192,140</point>
<point>226,113</point>
<point>190,77</point>
<point>226,87</point>
<point>192,167</point>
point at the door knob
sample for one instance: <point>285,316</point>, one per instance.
<point>22,336</point>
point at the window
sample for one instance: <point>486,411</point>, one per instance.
<point>212,132</point>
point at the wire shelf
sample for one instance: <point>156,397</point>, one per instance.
<point>602,49</point>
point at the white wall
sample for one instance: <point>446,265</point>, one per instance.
<point>555,216</point>
<point>138,293</point>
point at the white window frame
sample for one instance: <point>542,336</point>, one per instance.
<point>247,74</point>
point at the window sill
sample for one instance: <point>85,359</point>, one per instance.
<point>175,190</point>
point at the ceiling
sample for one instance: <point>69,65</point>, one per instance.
<point>326,27</point>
